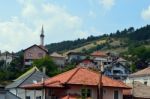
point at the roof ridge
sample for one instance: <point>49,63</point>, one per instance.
<point>30,71</point>
<point>78,68</point>
<point>52,82</point>
<point>60,74</point>
<point>140,72</point>
<point>37,46</point>
<point>27,77</point>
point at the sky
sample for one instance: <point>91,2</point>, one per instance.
<point>21,20</point>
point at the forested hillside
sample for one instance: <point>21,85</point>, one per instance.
<point>126,37</point>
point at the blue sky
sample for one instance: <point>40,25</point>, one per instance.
<point>21,20</point>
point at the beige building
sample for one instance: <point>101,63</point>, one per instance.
<point>34,52</point>
<point>142,76</point>
<point>59,59</point>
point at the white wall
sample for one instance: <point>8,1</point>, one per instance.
<point>8,59</point>
<point>108,93</point>
<point>139,79</point>
<point>21,93</point>
<point>77,90</point>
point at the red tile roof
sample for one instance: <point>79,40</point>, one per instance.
<point>99,53</point>
<point>86,61</point>
<point>79,76</point>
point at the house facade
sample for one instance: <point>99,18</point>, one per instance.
<point>34,52</point>
<point>88,63</point>
<point>6,57</point>
<point>142,76</point>
<point>31,76</point>
<point>79,83</point>
<point>5,94</point>
<point>100,57</point>
<point>113,67</point>
<point>117,71</point>
<point>75,56</point>
<point>59,59</point>
<point>138,91</point>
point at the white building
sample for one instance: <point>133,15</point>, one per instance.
<point>114,67</point>
<point>75,56</point>
<point>30,77</point>
<point>117,71</point>
<point>100,57</point>
<point>6,57</point>
<point>142,76</point>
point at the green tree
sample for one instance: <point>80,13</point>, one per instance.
<point>133,68</point>
<point>47,62</point>
<point>17,64</point>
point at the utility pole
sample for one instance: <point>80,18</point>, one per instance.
<point>133,89</point>
<point>43,82</point>
<point>100,85</point>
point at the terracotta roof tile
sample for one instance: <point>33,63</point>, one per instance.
<point>82,76</point>
<point>99,53</point>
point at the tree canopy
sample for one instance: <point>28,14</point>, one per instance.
<point>47,62</point>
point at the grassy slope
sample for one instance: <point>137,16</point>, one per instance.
<point>88,46</point>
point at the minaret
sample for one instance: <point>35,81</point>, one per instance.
<point>42,37</point>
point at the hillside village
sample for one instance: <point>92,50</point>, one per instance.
<point>97,75</point>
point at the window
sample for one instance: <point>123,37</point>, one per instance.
<point>104,91</point>
<point>28,97</point>
<point>30,54</point>
<point>105,63</point>
<point>117,72</point>
<point>86,92</point>
<point>39,97</point>
<point>50,93</point>
<point>145,82</point>
<point>116,94</point>
<point>40,54</point>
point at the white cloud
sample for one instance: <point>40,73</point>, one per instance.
<point>29,10</point>
<point>146,14</point>
<point>21,32</point>
<point>107,4</point>
<point>92,14</point>
<point>15,34</point>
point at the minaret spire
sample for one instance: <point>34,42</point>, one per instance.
<point>42,36</point>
